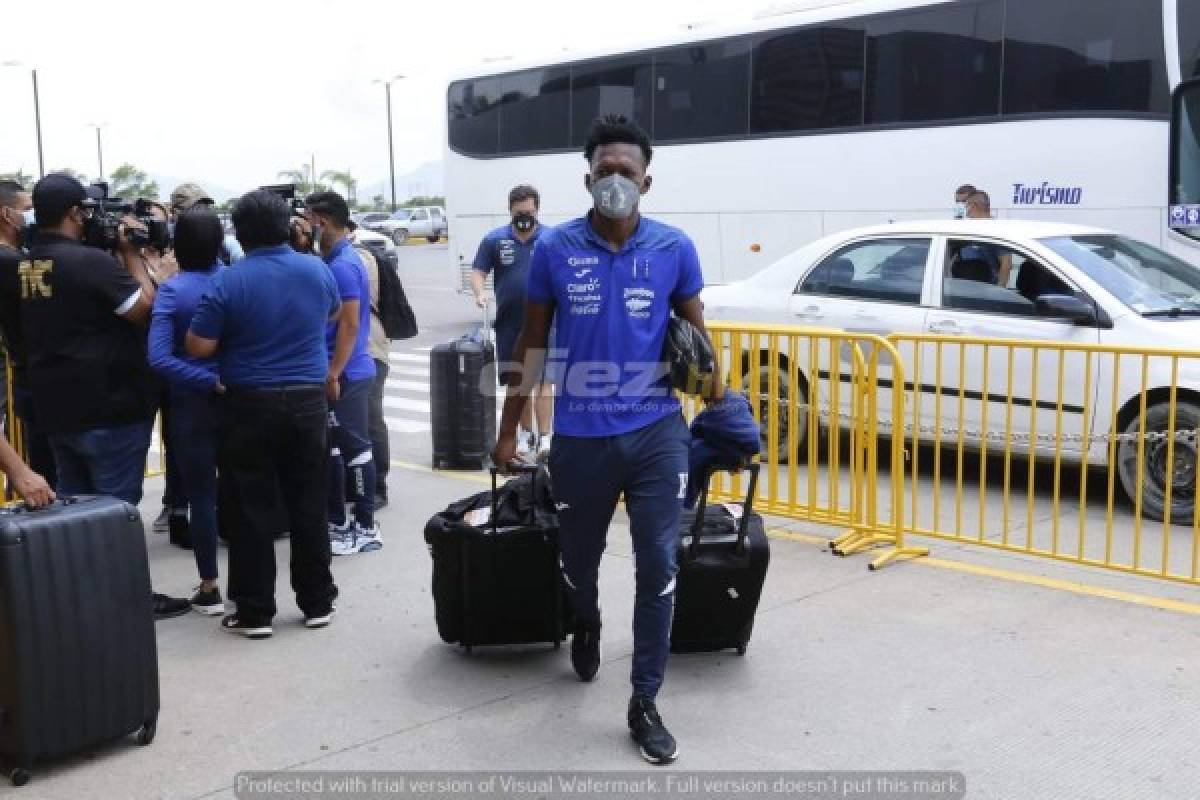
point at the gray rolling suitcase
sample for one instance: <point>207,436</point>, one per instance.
<point>78,662</point>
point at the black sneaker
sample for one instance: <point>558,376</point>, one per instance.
<point>647,729</point>
<point>162,521</point>
<point>585,651</point>
<point>381,501</point>
<point>166,607</point>
<point>208,602</point>
<point>248,628</point>
<point>180,529</point>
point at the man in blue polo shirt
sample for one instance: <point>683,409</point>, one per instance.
<point>351,374</point>
<point>610,281</point>
<point>264,321</point>
<point>505,254</point>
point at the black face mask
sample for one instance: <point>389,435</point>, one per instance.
<point>523,223</point>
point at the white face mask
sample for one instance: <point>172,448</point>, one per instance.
<point>960,210</point>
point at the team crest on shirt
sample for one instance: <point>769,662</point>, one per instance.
<point>507,250</point>
<point>638,302</point>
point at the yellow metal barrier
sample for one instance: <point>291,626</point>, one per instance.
<point>820,406</point>
<point>1076,452</point>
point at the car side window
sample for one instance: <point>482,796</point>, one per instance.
<point>888,270</point>
<point>420,215</point>
<point>988,277</point>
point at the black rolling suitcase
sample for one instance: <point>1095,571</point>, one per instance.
<point>462,374</point>
<point>496,575</point>
<point>723,556</point>
<point>78,663</point>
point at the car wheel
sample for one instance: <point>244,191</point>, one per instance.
<point>1156,471</point>
<point>432,238</point>
<point>783,441</point>
<point>399,236</point>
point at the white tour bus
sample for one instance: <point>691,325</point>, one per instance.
<point>803,123</point>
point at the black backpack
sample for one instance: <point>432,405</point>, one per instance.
<point>393,310</point>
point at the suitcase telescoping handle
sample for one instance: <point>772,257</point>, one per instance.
<point>531,469</point>
<point>747,508</point>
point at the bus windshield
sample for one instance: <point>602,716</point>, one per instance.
<point>1142,277</point>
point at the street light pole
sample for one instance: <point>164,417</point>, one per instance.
<point>37,121</point>
<point>391,148</point>
<point>37,115</point>
<point>387,88</point>
<point>99,152</point>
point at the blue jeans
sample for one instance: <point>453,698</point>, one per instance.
<point>193,436</point>
<point>650,466</point>
<point>109,461</point>
<point>351,461</point>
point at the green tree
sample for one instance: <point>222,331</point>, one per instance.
<point>131,183</point>
<point>343,179</point>
<point>19,176</point>
<point>425,200</point>
<point>303,179</point>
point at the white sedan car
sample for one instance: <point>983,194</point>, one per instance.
<point>1004,279</point>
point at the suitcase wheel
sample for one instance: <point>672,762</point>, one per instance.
<point>741,650</point>
<point>19,776</point>
<point>146,735</point>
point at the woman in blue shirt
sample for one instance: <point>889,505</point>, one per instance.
<point>193,386</point>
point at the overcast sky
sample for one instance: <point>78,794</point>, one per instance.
<point>232,91</point>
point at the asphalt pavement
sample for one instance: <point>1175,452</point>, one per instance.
<point>1034,679</point>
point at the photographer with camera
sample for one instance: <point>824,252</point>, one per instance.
<point>84,322</point>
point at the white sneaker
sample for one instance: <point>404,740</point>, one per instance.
<point>357,540</point>
<point>523,448</point>
<point>543,448</point>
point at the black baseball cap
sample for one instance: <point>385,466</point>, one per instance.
<point>57,193</point>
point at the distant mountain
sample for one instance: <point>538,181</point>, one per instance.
<point>427,179</point>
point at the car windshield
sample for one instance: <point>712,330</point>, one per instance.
<point>1142,277</point>
<point>401,214</point>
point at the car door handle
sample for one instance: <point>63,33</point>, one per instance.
<point>811,312</point>
<point>944,326</point>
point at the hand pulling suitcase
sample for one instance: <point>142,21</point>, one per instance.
<point>462,377</point>
<point>723,556</point>
<point>78,662</point>
<point>498,583</point>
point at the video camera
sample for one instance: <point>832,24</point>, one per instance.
<point>288,192</point>
<point>101,228</point>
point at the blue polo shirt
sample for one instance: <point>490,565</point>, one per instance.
<point>507,258</point>
<point>611,314</point>
<point>269,313</point>
<point>350,274</point>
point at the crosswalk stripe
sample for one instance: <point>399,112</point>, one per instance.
<point>404,404</point>
<point>413,372</point>
<point>403,425</point>
<point>407,358</point>
<point>423,349</point>
<point>416,386</point>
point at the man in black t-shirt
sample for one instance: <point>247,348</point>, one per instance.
<point>83,317</point>
<point>16,214</point>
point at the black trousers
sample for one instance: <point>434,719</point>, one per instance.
<point>271,438</point>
